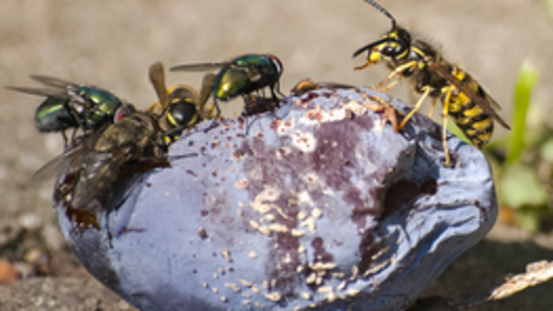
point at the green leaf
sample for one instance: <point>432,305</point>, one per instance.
<point>526,80</point>
<point>520,187</point>
<point>529,221</point>
<point>546,150</point>
<point>549,5</point>
<point>455,130</point>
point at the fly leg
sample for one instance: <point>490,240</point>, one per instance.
<point>65,141</point>
<point>217,115</point>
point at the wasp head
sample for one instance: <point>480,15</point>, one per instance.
<point>394,45</point>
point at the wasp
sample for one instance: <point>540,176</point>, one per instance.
<point>69,105</point>
<point>181,105</point>
<point>472,109</point>
<point>241,76</point>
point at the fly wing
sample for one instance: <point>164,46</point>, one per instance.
<point>52,167</point>
<point>71,157</point>
<point>54,82</point>
<point>56,93</point>
<point>253,72</point>
<point>200,66</point>
<point>487,105</point>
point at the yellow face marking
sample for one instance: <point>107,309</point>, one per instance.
<point>375,57</point>
<point>171,120</point>
<point>193,121</point>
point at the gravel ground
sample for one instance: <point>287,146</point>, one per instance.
<point>111,44</point>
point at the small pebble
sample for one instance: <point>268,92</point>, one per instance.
<point>30,221</point>
<point>8,273</point>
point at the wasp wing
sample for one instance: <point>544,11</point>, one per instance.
<point>206,112</point>
<point>492,102</point>
<point>485,105</point>
<point>157,78</point>
<point>200,67</point>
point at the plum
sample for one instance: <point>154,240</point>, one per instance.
<point>328,208</point>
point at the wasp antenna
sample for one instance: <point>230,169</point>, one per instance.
<point>383,11</point>
<point>369,46</point>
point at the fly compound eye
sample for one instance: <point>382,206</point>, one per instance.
<point>123,112</point>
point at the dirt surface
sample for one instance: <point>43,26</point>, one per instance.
<point>111,44</point>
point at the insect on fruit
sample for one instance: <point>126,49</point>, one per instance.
<point>471,108</point>
<point>98,165</point>
<point>69,105</point>
<point>180,106</point>
<point>241,76</point>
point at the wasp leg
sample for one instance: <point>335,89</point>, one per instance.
<point>417,106</point>
<point>386,88</point>
<point>446,102</point>
<point>386,85</point>
<point>431,111</point>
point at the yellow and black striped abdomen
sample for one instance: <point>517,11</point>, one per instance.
<point>473,121</point>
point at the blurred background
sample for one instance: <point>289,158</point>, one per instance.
<point>110,44</point>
